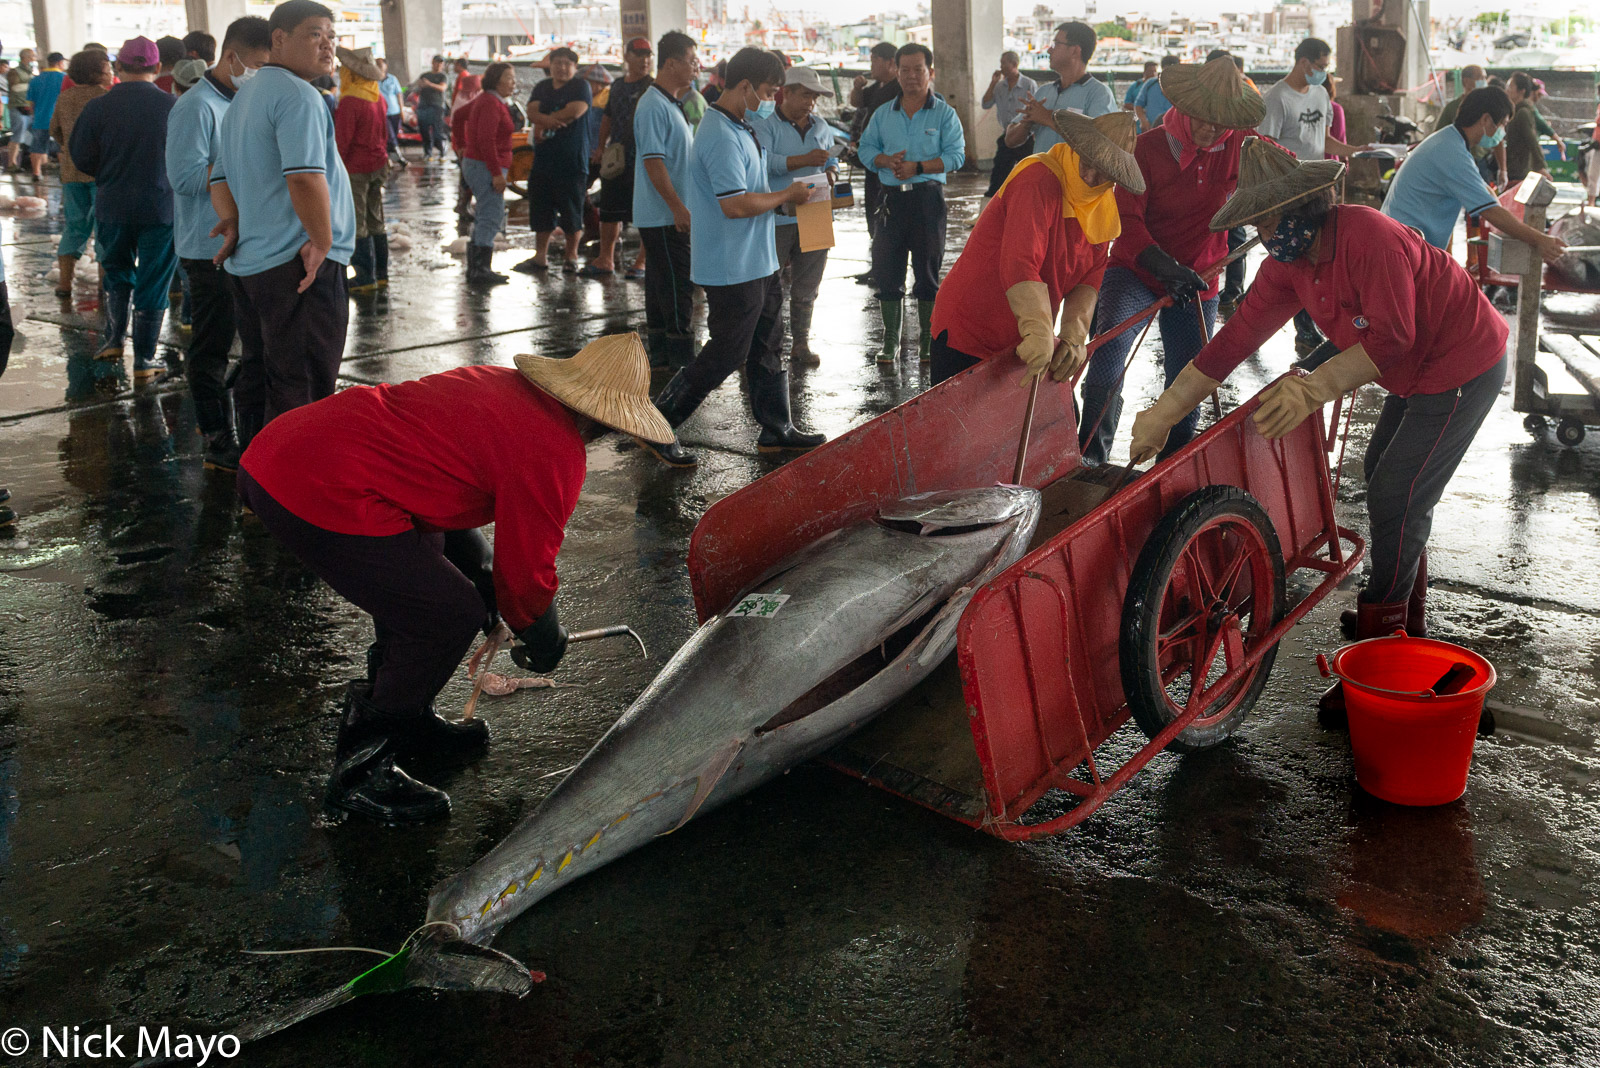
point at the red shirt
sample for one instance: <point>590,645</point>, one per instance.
<point>1377,283</point>
<point>451,451</point>
<point>1175,212</point>
<point>1020,237</point>
<point>488,130</point>
<point>361,130</point>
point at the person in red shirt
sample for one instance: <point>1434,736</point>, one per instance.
<point>1190,164</point>
<point>1403,314</point>
<point>1039,245</point>
<point>361,130</point>
<point>380,490</point>
<point>468,85</point>
<point>486,165</point>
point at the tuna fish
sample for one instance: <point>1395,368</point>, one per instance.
<point>826,640</point>
<point>1579,228</point>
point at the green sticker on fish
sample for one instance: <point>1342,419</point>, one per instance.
<point>760,605</point>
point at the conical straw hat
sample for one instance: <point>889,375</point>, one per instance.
<point>1270,180</point>
<point>360,61</point>
<point>609,381</point>
<point>1214,92</point>
<point>1105,143</point>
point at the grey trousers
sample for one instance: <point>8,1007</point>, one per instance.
<point>1415,449</point>
<point>805,278</point>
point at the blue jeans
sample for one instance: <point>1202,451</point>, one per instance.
<point>77,223</point>
<point>491,205</point>
<point>138,257</point>
<point>1123,295</point>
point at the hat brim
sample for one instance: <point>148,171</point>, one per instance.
<point>1180,84</point>
<point>1099,151</point>
<point>1310,177</point>
<point>568,383</point>
<point>360,66</point>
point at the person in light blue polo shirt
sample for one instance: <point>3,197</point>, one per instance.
<point>663,146</point>
<point>734,258</point>
<point>389,89</point>
<point>288,223</point>
<point>194,143</point>
<point>912,142</point>
<point>1439,178</point>
<point>1073,90</point>
<point>1152,104</point>
<point>799,145</point>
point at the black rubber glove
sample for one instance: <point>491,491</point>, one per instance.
<point>1181,283</point>
<point>469,551</point>
<point>543,643</point>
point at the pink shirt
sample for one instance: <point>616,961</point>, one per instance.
<point>1376,283</point>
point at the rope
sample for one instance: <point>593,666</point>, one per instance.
<point>354,949</point>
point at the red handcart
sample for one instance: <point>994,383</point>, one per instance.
<point>1162,601</point>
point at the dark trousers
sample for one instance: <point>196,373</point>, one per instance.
<point>212,297</point>
<point>1005,158</point>
<point>8,332</point>
<point>291,342</point>
<point>745,323</point>
<point>1233,274</point>
<point>394,132</point>
<point>668,293</point>
<point>911,225</point>
<point>871,197</point>
<point>945,362</point>
<point>139,258</point>
<point>1415,449</point>
<point>425,612</point>
<point>430,123</point>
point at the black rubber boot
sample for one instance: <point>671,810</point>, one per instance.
<point>769,403</point>
<point>680,350</point>
<point>365,780</point>
<point>222,451</point>
<point>677,401</point>
<point>380,259</point>
<point>146,334</point>
<point>433,740</point>
<point>655,343</point>
<point>115,305</point>
<point>479,258</point>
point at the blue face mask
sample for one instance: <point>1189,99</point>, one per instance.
<point>1291,239</point>
<point>1490,140</point>
<point>1317,77</point>
<point>767,108</point>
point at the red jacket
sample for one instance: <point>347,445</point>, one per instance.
<point>1020,237</point>
<point>451,451</point>
<point>487,126</point>
<point>1176,209</point>
<point>1375,282</point>
<point>361,130</point>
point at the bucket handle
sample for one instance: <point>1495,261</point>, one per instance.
<point>1329,673</point>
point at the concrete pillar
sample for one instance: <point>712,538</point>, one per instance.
<point>59,26</point>
<point>213,16</point>
<point>413,33</point>
<point>652,18</point>
<point>968,37</point>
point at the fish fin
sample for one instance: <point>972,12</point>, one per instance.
<point>708,778</point>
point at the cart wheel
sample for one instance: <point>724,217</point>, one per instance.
<point>1536,425</point>
<point>1570,433</point>
<point>1207,587</point>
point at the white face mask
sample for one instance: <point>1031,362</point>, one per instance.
<point>244,75</point>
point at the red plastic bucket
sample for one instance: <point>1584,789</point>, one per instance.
<point>1411,747</point>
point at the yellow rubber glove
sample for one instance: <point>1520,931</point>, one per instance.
<point>1030,303</point>
<point>1290,401</point>
<point>1077,309</point>
<point>1151,426</point>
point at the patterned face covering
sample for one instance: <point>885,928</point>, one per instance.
<point>1291,239</point>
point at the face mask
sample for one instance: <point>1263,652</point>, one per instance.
<point>1291,239</point>
<point>244,75</point>
<point>1317,77</point>
<point>1490,140</point>
<point>767,108</point>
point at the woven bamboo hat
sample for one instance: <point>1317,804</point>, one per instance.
<point>1105,143</point>
<point>1271,180</point>
<point>360,61</point>
<point>609,381</point>
<point>1214,92</point>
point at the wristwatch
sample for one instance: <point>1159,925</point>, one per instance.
<point>919,166</point>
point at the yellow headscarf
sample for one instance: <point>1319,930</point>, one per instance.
<point>353,84</point>
<point>1094,208</point>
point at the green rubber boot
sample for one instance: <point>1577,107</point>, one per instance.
<point>892,311</point>
<point>925,330</point>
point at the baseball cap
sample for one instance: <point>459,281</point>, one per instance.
<point>188,71</point>
<point>640,45</point>
<point>139,52</point>
<point>594,72</point>
<point>805,78</point>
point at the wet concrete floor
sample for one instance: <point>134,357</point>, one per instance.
<point>168,675</point>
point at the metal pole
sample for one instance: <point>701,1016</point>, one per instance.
<point>1027,431</point>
